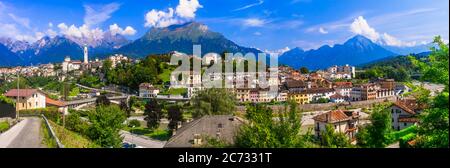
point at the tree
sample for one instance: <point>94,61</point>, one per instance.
<point>125,107</point>
<point>153,113</point>
<point>433,130</point>
<point>215,101</point>
<point>331,139</point>
<point>304,70</point>
<point>175,116</point>
<point>263,131</point>
<point>376,134</point>
<point>106,122</point>
<point>102,100</point>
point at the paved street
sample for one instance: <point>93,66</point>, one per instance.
<point>141,141</point>
<point>25,134</point>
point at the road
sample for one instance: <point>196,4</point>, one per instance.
<point>141,141</point>
<point>25,134</point>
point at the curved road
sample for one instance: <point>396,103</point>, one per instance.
<point>25,134</point>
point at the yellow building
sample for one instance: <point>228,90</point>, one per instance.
<point>299,97</point>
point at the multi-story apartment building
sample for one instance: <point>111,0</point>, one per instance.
<point>364,92</point>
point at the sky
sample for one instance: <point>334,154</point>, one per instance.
<point>273,25</point>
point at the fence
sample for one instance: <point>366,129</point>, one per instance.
<point>52,133</point>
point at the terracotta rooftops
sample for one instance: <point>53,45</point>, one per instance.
<point>21,92</point>
<point>336,116</point>
<point>408,105</point>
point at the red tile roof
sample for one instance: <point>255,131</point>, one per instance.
<point>408,105</point>
<point>54,102</point>
<point>21,92</point>
<point>343,84</point>
<point>337,96</point>
<point>334,116</point>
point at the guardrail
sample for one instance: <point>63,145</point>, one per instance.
<point>52,133</point>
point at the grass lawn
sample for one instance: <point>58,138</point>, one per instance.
<point>165,75</point>
<point>158,134</point>
<point>47,138</point>
<point>175,91</point>
<point>71,139</point>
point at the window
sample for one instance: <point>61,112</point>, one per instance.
<point>404,124</point>
<point>392,119</point>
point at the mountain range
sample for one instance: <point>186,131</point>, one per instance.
<point>181,38</point>
<point>354,51</point>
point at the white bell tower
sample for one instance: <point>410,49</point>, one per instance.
<point>86,55</point>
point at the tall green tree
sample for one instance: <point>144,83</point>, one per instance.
<point>304,70</point>
<point>332,139</point>
<point>266,130</point>
<point>215,101</point>
<point>175,116</point>
<point>153,113</point>
<point>433,130</point>
<point>376,134</point>
<point>106,122</point>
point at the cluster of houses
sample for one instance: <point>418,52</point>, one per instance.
<point>224,127</point>
<point>289,84</point>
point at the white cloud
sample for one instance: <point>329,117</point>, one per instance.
<point>51,33</point>
<point>360,26</point>
<point>95,16</point>
<point>322,30</point>
<point>116,29</point>
<point>156,18</point>
<point>254,22</point>
<point>25,22</point>
<point>278,52</point>
<point>50,24</point>
<point>260,2</point>
<point>257,34</point>
<point>392,41</point>
<point>184,11</point>
<point>187,8</point>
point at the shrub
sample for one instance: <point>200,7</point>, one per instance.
<point>4,126</point>
<point>134,123</point>
<point>76,124</point>
<point>51,113</point>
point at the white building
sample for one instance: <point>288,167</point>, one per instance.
<point>86,55</point>
<point>146,90</point>
<point>404,113</point>
<point>27,98</point>
<point>116,59</point>
<point>342,72</point>
<point>345,122</point>
<point>69,65</point>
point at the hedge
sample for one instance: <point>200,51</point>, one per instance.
<point>51,113</point>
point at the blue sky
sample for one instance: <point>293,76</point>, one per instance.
<point>264,24</point>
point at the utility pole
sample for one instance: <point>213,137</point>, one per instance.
<point>17,100</point>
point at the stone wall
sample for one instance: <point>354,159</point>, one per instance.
<point>330,106</point>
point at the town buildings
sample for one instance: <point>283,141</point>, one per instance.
<point>196,133</point>
<point>27,98</point>
<point>341,72</point>
<point>345,122</point>
<point>146,90</point>
<point>405,113</point>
